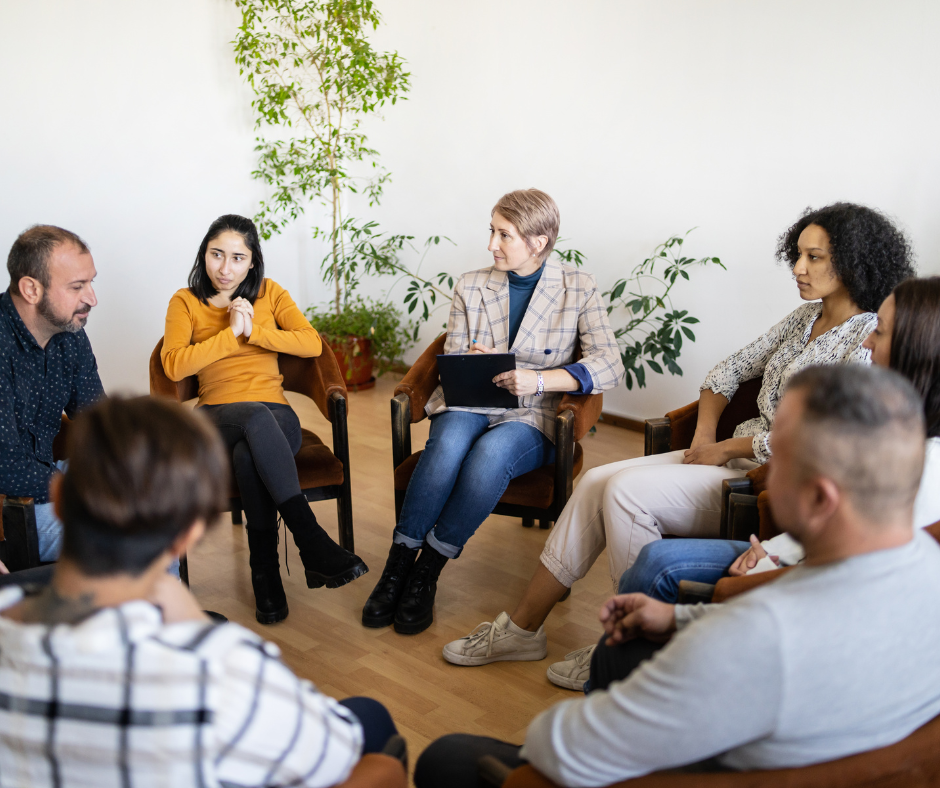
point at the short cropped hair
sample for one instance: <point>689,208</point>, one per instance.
<point>862,427</point>
<point>199,283</point>
<point>532,213</point>
<point>141,471</point>
<point>915,342</point>
<point>29,255</point>
<point>870,254</point>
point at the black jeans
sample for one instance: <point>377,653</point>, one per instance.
<point>613,663</point>
<point>263,438</point>
<point>451,761</point>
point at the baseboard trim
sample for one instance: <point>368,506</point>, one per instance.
<point>623,422</point>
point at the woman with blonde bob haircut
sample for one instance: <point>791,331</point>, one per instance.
<point>544,312</point>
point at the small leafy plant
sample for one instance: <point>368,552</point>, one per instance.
<point>649,338</point>
<point>369,319</point>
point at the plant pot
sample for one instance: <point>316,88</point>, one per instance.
<point>354,357</point>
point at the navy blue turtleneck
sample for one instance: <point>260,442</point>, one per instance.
<point>521,289</point>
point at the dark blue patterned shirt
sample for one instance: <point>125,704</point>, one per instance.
<point>36,386</point>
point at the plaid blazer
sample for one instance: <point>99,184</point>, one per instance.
<point>566,313</point>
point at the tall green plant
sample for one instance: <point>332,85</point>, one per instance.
<point>312,69</point>
<point>648,336</point>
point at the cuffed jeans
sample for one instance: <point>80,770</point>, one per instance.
<point>461,475</point>
<point>263,438</point>
<point>626,505</point>
<point>661,565</point>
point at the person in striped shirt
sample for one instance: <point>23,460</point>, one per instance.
<point>113,676</point>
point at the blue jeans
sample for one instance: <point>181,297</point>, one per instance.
<point>661,565</point>
<point>463,472</point>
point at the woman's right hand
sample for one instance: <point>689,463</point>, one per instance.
<point>476,347</point>
<point>236,321</point>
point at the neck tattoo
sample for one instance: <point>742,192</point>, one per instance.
<point>50,607</point>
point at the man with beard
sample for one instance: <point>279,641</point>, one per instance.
<point>46,363</point>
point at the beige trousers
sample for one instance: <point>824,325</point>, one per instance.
<point>626,505</point>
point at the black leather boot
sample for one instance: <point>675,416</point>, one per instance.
<point>270,599</point>
<point>383,601</point>
<point>325,562</point>
<point>416,608</point>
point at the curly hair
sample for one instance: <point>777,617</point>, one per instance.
<point>870,254</point>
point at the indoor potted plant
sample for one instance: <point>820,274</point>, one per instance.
<point>315,76</point>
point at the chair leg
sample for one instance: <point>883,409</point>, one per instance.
<point>344,519</point>
<point>528,522</point>
<point>545,524</point>
<point>236,516</point>
<point>184,569</point>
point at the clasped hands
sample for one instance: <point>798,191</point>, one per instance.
<point>518,382</point>
<point>240,314</point>
<point>629,616</point>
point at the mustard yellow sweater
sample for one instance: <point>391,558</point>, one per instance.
<point>199,341</point>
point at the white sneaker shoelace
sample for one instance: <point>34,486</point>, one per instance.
<point>581,657</point>
<point>485,631</point>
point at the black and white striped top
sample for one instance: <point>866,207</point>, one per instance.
<point>778,355</point>
<point>122,700</point>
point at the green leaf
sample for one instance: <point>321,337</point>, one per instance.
<point>641,377</point>
<point>688,333</point>
<point>654,366</point>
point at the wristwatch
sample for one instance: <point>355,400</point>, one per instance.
<point>541,386</point>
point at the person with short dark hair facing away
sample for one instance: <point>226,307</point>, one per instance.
<point>227,328</point>
<point>47,366</point>
<point>836,657</point>
<point>113,675</point>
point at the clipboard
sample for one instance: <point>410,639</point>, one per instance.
<point>467,380</point>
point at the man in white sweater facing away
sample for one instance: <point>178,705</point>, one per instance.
<point>835,658</point>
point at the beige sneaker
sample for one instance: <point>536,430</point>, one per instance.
<point>573,671</point>
<point>496,641</point>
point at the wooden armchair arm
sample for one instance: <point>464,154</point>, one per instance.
<point>318,378</point>
<point>728,587</point>
<point>758,478</point>
<point>377,771</point>
<point>672,432</point>
<point>422,379</point>
<point>586,409</point>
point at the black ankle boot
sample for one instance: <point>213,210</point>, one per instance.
<point>416,608</point>
<point>270,599</point>
<point>383,601</point>
<point>325,562</point>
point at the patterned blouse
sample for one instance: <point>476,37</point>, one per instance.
<point>778,355</point>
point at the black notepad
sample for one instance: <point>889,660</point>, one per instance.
<point>467,379</point>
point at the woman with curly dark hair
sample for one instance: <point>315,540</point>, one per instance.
<point>845,259</point>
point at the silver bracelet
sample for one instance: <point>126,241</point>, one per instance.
<point>541,387</point>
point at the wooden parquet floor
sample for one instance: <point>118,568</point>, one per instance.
<point>324,640</point>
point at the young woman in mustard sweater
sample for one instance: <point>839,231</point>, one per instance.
<point>227,328</point>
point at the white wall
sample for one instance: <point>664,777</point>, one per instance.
<point>128,123</point>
